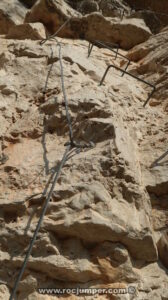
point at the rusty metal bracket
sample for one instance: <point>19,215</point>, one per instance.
<point>139,79</point>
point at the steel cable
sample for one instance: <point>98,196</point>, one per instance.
<point>67,154</point>
<point>64,93</point>
<point>70,145</point>
<point>49,72</point>
<point>64,158</point>
<point>62,77</point>
<point>54,35</point>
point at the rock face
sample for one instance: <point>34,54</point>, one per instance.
<point>153,63</point>
<point>127,33</point>
<point>11,13</point>
<point>34,31</point>
<point>151,19</point>
<point>106,224</point>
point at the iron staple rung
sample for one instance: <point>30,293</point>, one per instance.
<point>101,44</point>
<point>134,76</point>
<point>94,43</point>
<point>119,54</point>
<point>69,145</point>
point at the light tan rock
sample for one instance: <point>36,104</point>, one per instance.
<point>12,12</point>
<point>109,207</point>
<point>151,19</point>
<point>4,292</point>
<point>34,31</point>
<point>152,60</point>
<point>126,33</point>
<point>51,13</point>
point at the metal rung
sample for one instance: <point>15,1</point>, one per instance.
<point>139,79</point>
<point>105,45</point>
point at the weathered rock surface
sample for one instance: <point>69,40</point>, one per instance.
<point>106,223</point>
<point>113,8</point>
<point>151,19</point>
<point>107,201</point>
<point>127,33</point>
<point>34,31</point>
<point>153,63</point>
<point>51,13</point>
<point>11,13</point>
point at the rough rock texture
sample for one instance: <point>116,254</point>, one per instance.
<point>152,61</point>
<point>34,31</point>
<point>151,19</point>
<point>112,8</point>
<point>127,33</point>
<point>11,13</point>
<point>106,223</point>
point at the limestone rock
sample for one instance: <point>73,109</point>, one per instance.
<point>34,31</point>
<point>51,13</point>
<point>151,19</point>
<point>104,223</point>
<point>11,13</point>
<point>152,60</point>
<point>4,292</point>
<point>126,33</point>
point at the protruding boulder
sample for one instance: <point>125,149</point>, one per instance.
<point>11,13</point>
<point>33,31</point>
<point>127,33</point>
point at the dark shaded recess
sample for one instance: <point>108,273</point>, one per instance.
<point>163,249</point>
<point>159,189</point>
<point>160,7</point>
<point>28,3</point>
<point>10,216</point>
